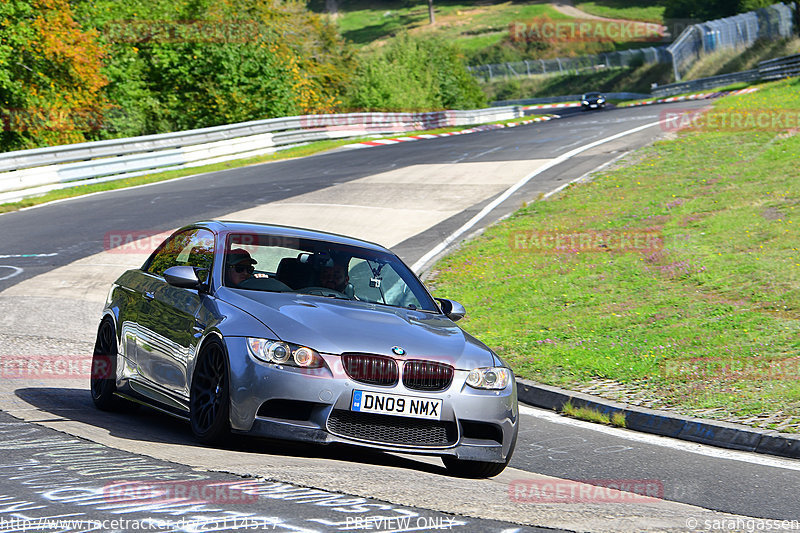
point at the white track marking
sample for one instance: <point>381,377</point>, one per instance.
<point>27,255</point>
<point>585,176</point>
<point>416,267</point>
<point>16,272</point>
<point>666,442</point>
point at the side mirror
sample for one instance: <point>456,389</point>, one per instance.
<point>183,276</point>
<point>452,309</point>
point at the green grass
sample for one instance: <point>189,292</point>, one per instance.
<point>299,151</point>
<point>624,9</point>
<point>725,287</point>
<point>593,415</point>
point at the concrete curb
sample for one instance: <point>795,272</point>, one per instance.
<point>713,432</point>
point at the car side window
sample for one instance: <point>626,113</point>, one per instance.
<point>192,247</point>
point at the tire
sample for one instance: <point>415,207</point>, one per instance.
<point>209,401</point>
<point>102,382</point>
<point>472,469</point>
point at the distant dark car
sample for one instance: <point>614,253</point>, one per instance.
<point>303,335</point>
<point>593,101</point>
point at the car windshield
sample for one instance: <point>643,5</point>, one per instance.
<point>289,264</point>
<point>592,95</point>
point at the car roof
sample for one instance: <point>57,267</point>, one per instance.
<point>232,226</point>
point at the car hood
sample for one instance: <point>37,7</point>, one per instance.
<point>338,326</point>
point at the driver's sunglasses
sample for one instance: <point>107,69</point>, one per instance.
<point>243,268</point>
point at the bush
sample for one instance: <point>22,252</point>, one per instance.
<point>414,74</point>
<point>51,85</point>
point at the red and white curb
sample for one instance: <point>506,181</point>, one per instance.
<point>697,96</point>
<point>552,106</point>
<point>423,136</point>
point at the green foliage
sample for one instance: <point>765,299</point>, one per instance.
<point>750,5</point>
<point>711,9</point>
<point>50,79</point>
<point>411,74</point>
<point>178,65</point>
<point>93,69</point>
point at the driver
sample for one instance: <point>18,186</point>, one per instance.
<point>238,267</point>
<point>334,276</point>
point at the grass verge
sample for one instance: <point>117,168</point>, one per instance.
<point>685,293</point>
<point>625,9</point>
<point>593,415</point>
<point>299,151</point>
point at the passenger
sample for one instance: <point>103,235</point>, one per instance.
<point>238,267</point>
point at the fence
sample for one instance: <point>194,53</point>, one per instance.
<point>695,41</point>
<point>773,69</point>
<point>733,32</point>
<point>29,172</point>
<point>533,67</point>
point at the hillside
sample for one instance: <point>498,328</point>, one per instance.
<point>482,30</point>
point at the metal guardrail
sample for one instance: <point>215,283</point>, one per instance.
<point>772,69</point>
<point>568,98</point>
<point>46,168</point>
<point>703,84</point>
<point>563,65</point>
<point>782,67</point>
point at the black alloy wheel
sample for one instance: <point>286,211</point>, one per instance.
<point>209,401</point>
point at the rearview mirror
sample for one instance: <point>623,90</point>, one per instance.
<point>452,309</point>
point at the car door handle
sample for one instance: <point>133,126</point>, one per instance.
<point>149,295</point>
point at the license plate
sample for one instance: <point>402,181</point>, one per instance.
<point>394,404</point>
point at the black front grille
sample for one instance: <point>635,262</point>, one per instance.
<point>372,369</point>
<point>388,429</point>
<point>427,375</point>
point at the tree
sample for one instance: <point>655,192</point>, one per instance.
<point>414,74</point>
<point>705,10</point>
<point>50,75</point>
<point>431,14</point>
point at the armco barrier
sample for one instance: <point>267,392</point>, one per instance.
<point>704,84</point>
<point>119,158</point>
<point>782,67</point>
<point>568,98</point>
<point>772,69</point>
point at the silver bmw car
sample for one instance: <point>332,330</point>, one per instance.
<point>302,335</point>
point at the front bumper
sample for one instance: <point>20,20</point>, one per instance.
<point>313,405</point>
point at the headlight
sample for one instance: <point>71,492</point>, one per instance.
<point>585,102</point>
<point>284,353</point>
<point>495,378</point>
<point>601,100</point>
